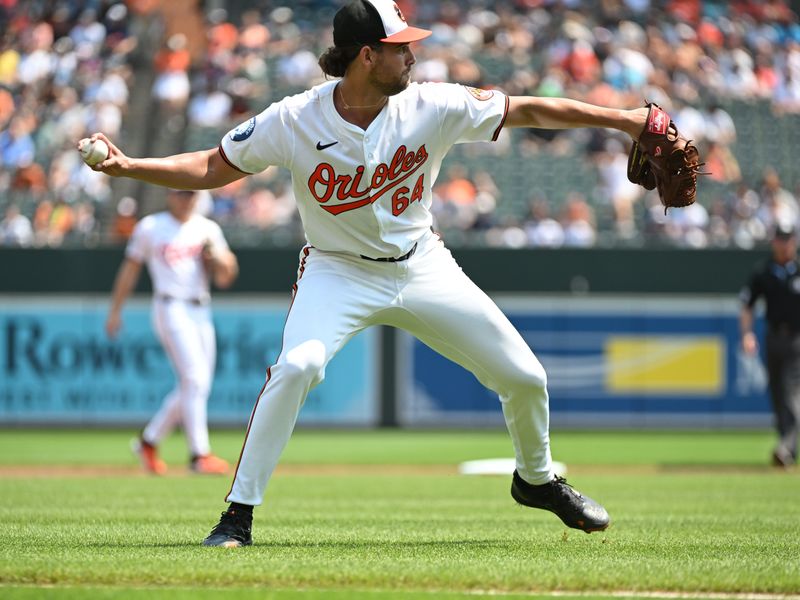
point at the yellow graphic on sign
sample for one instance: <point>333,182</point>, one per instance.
<point>665,364</point>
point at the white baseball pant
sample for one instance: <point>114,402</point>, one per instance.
<point>186,332</point>
<point>428,295</point>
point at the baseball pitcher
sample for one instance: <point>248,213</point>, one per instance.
<point>364,150</point>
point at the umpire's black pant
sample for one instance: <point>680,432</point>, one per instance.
<point>783,367</point>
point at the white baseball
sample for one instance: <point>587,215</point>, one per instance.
<point>93,152</point>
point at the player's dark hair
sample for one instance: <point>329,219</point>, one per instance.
<point>335,60</point>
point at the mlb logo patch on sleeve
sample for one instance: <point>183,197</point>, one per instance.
<point>244,131</point>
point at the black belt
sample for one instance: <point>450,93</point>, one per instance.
<point>405,256</point>
<point>195,301</point>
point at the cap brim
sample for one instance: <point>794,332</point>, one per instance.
<point>408,35</point>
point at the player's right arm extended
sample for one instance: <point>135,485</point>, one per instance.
<point>201,170</point>
<point>126,279</point>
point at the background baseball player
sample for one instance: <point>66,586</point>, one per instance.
<point>183,251</point>
<point>364,152</point>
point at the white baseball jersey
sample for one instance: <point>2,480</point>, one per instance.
<point>172,251</point>
<point>365,192</point>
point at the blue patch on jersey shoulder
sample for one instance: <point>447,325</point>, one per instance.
<point>244,131</point>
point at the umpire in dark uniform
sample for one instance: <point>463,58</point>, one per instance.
<point>778,282</point>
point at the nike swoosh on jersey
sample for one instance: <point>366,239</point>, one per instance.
<point>321,146</point>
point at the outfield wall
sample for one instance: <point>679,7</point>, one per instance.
<point>569,271</point>
<point>629,338</point>
<point>612,362</point>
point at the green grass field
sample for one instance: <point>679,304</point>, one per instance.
<point>384,514</point>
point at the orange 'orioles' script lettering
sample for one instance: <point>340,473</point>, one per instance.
<point>352,192</point>
<point>174,254</point>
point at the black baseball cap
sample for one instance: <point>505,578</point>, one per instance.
<point>784,231</point>
<point>363,22</point>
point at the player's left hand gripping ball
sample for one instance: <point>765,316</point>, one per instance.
<point>662,158</point>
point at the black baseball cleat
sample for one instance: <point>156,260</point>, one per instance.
<point>232,531</point>
<point>572,507</point>
<point>782,459</point>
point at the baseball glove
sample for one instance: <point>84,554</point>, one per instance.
<point>665,160</point>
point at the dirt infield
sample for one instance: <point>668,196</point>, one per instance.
<point>90,471</point>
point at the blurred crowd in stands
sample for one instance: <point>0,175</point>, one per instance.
<point>727,72</point>
<point>64,71</point>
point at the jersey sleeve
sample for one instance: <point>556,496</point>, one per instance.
<point>469,114</point>
<point>139,245</point>
<point>260,142</point>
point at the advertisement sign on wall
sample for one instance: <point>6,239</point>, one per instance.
<point>615,362</point>
<point>58,366</point>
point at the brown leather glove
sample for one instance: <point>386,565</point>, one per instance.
<point>665,160</point>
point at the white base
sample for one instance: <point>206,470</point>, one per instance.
<point>500,466</point>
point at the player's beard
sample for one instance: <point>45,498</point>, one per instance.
<point>390,86</point>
